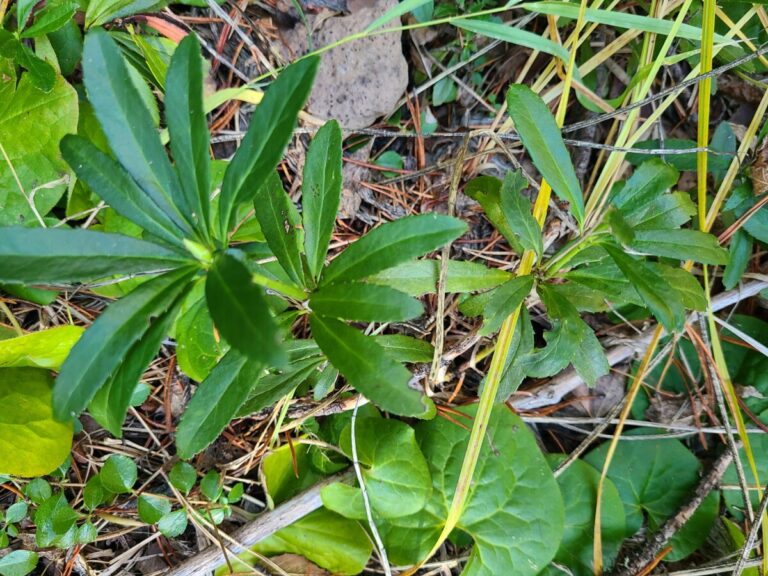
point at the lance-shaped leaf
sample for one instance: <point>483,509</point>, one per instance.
<point>269,132</point>
<point>661,298</point>
<point>365,303</point>
<point>114,185</point>
<point>517,211</point>
<point>190,140</point>
<point>649,181</point>
<point>543,141</point>
<point>240,312</point>
<point>216,402</point>
<point>59,255</point>
<point>128,126</point>
<point>391,244</point>
<point>367,367</point>
<point>680,244</point>
<point>504,301</point>
<point>420,277</point>
<point>110,404</point>
<point>280,223</point>
<point>486,191</point>
<point>104,346</point>
<point>321,193</point>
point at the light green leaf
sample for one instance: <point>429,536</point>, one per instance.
<point>183,477</point>
<point>188,128</point>
<point>105,345</point>
<point>621,20</point>
<point>173,525</point>
<point>33,443</point>
<point>18,563</point>
<point>152,508</point>
<point>44,349</point>
<point>239,310</point>
<point>16,512</point>
<point>649,181</point>
<point>50,18</point>
<point>119,474</point>
<point>367,367</point>
<point>55,523</point>
<point>391,244</point>
<point>321,193</point>
<point>420,277</point>
<point>197,348</point>
<point>216,402</point>
<point>543,141</point>
<point>270,130</point>
<point>60,255</point>
<point>32,122</point>
<point>405,348</point>
<point>364,303</point>
<point>281,224</point>
<point>102,11</point>
<point>514,495</point>
<point>680,244</point>
<point>513,35</point>
<point>394,470</point>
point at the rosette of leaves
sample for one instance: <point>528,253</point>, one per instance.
<point>186,242</point>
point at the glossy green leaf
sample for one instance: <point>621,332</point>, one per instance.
<point>18,563</point>
<point>50,18</point>
<point>270,130</point>
<point>517,211</point>
<point>116,187</point>
<point>659,296</point>
<point>16,512</point>
<point>514,512</point>
<point>394,471</point>
<point>421,276</point>
<point>404,348</point>
<point>110,404</point>
<point>367,367</point>
<point>578,486</point>
<point>364,303</point>
<point>118,474</point>
<point>240,312</point>
<point>38,490</point>
<point>543,141</point>
<point>216,402</point>
<point>32,122</point>
<point>281,224</point>
<point>105,345</point>
<point>391,244</point>
<point>44,349</point>
<point>512,35</point>
<point>686,285</point>
<point>128,126</point>
<point>321,193</point>
<point>188,128</point>
<point>94,493</point>
<point>654,478</point>
<point>23,10</point>
<point>739,254</point>
<point>55,523</point>
<point>649,181</point>
<point>681,245</point>
<point>60,255</point>
<point>32,442</point>
<point>183,477</point>
<point>197,347</point>
<point>173,525</point>
<point>486,191</point>
<point>210,485</point>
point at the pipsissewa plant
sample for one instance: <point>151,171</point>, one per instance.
<point>186,241</point>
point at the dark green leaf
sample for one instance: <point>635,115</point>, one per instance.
<point>620,228</point>
<point>50,18</point>
<point>365,303</point>
<point>420,277</point>
<point>183,477</point>
<point>681,245</point>
<point>59,255</point>
<point>275,385</point>
<point>128,126</point>
<point>55,523</point>
<point>367,367</point>
<point>650,180</point>
<point>173,524</point>
<point>105,345</point>
<point>38,490</point>
<point>188,128</point>
<point>270,130</point>
<point>666,211</point>
<point>281,224</point>
<point>392,244</point>
<point>686,162</point>
<point>321,193</point>
<point>686,286</point>
<point>543,141</point>
<point>67,42</point>
<point>110,404</point>
<point>739,254</point>
<point>517,210</point>
<point>94,493</point>
<point>486,191</point>
<point>41,74</point>
<point>210,485</point>
<point>115,186</point>
<point>522,345</point>
<point>216,402</point>
<point>657,294</point>
<point>118,474</point>
<point>239,310</point>
<point>505,300</point>
<point>405,348</point>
